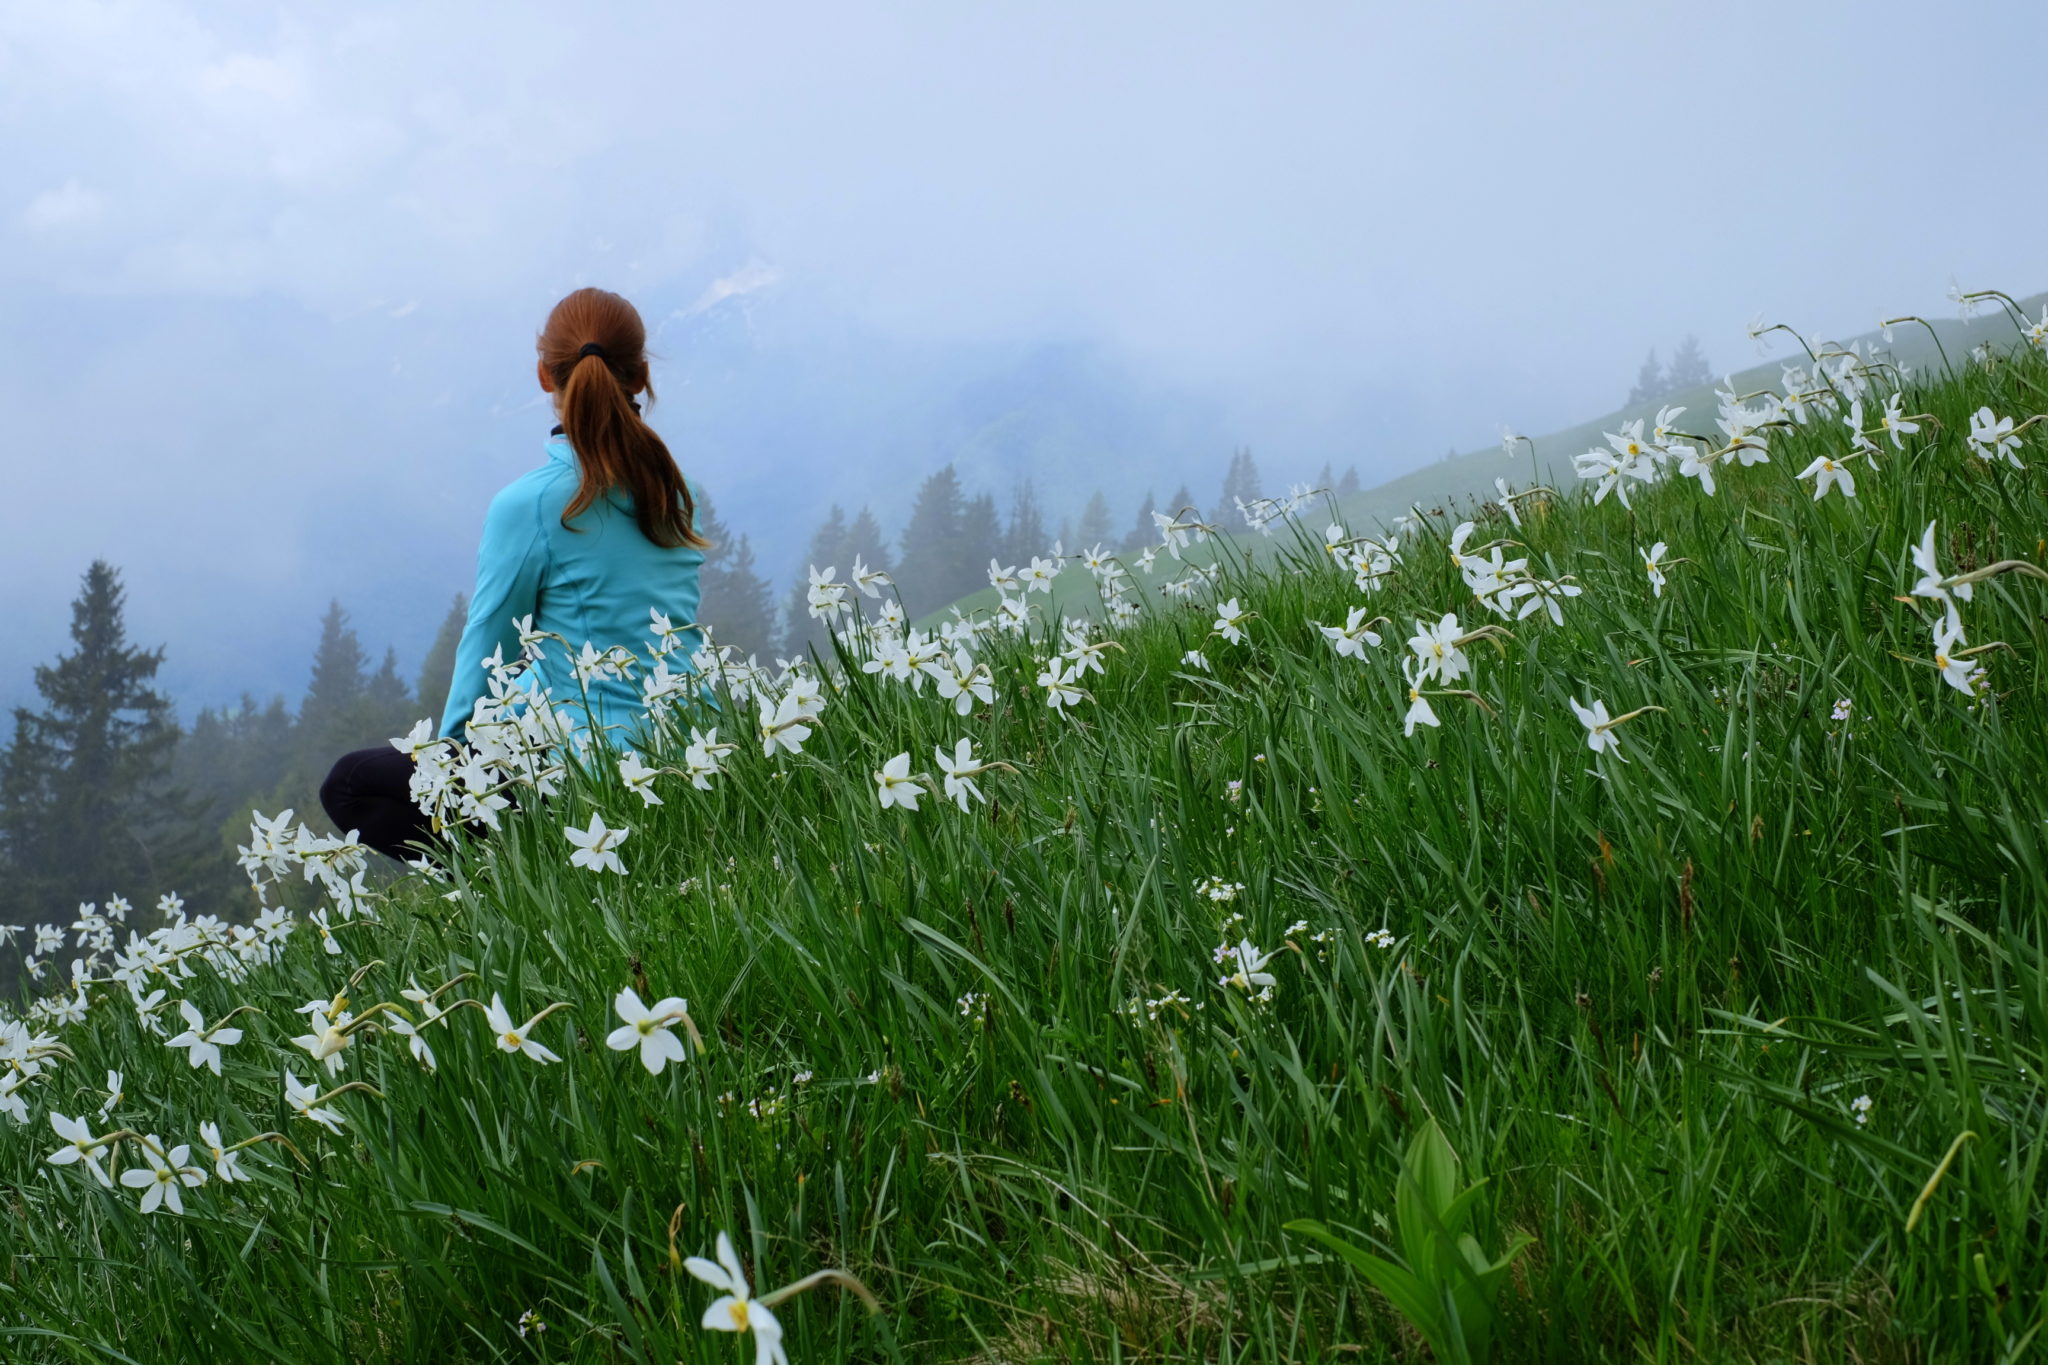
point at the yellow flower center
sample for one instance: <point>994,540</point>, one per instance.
<point>738,1309</point>
<point>513,1041</point>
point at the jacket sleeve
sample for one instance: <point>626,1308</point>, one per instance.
<point>511,564</point>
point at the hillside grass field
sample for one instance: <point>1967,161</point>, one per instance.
<point>1734,1000</point>
<point>1921,345</point>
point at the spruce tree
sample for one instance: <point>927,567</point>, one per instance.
<point>931,544</point>
<point>437,674</point>
<point>1025,536</point>
<point>1649,380</point>
<point>1327,478</point>
<point>716,589</point>
<point>387,702</point>
<point>1095,527</point>
<point>1181,505</point>
<point>1144,531</point>
<point>1688,369</point>
<point>1240,484</point>
<point>864,538</point>
<point>1348,485</point>
<point>85,807</point>
<point>745,616</point>
<point>981,535</point>
<point>331,717</point>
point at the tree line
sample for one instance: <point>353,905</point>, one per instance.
<point>103,792</point>
<point>943,552</point>
<point>1688,370</point>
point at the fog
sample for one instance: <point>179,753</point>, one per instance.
<point>271,273</point>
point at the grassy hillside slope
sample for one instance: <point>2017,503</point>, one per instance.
<point>1743,1024</point>
<point>1924,350</point>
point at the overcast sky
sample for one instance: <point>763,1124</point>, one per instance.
<point>269,273</point>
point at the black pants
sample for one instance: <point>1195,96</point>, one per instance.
<point>368,791</point>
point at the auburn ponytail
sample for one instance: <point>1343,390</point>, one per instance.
<point>594,349</point>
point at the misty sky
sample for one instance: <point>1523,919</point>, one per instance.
<point>269,274</point>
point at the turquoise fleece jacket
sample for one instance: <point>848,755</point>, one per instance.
<point>595,580</point>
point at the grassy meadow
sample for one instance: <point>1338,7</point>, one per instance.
<point>1740,1019</point>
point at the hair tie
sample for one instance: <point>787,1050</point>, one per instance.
<point>592,348</point>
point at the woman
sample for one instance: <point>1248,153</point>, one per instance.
<point>586,544</point>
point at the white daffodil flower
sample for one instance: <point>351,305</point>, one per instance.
<point>1601,727</point>
<point>113,1093</point>
<point>1895,423</point>
<point>1436,649</point>
<point>79,1146</point>
<point>1419,710</point>
<point>1059,685</point>
<point>963,682</point>
<point>1629,444</point>
<point>302,1099</point>
<point>705,757</point>
<point>205,1043</point>
<point>510,1039</point>
<point>415,1042</point>
<point>1247,969</point>
<point>869,581</point>
<point>1507,502</point>
<point>1957,672</point>
<point>227,1167</point>
<point>416,741</point>
<point>1613,470</point>
<point>825,597</point>
<point>1992,437</point>
<point>2037,332</point>
<point>597,847</point>
<point>1600,736</point>
<point>1039,574</point>
<point>735,1310</point>
<point>896,786</point>
<point>785,724</point>
<point>1697,463</point>
<point>960,769</point>
<point>1826,473</point>
<point>1653,564</point>
<point>11,1085</point>
<point>1932,583</point>
<point>328,1039</point>
<point>165,1175</point>
<point>1459,536</point>
<point>1230,619</point>
<point>639,778</point>
<point>1351,639</point>
<point>325,929</point>
<point>647,1028</point>
<point>666,636</point>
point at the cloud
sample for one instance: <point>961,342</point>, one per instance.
<point>70,205</point>
<point>754,275</point>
